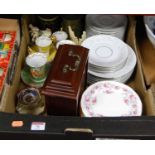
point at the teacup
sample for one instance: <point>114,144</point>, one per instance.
<point>37,65</point>
<point>60,35</point>
<point>44,44</point>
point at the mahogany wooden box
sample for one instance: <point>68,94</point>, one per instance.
<point>66,81</point>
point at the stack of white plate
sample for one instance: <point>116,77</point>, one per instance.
<point>109,59</point>
<point>114,25</point>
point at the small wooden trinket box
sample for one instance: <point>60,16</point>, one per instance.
<point>66,81</point>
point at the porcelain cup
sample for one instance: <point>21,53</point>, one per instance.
<point>37,65</point>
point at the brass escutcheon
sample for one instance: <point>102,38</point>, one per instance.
<point>67,67</point>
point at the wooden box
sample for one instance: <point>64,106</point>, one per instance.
<point>66,81</point>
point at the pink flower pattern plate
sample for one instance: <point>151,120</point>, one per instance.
<point>110,99</point>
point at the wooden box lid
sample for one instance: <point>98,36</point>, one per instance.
<point>66,74</point>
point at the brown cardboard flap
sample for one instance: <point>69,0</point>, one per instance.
<point>138,83</point>
<point>146,54</point>
<point>9,24</point>
<point>150,106</point>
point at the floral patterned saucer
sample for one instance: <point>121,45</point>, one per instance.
<point>110,99</point>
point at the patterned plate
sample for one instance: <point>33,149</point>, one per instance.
<point>110,99</point>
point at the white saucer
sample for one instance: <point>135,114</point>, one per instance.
<point>106,51</point>
<point>106,21</point>
<point>128,68</point>
<point>114,25</point>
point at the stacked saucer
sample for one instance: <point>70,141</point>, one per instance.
<point>114,25</point>
<point>109,59</point>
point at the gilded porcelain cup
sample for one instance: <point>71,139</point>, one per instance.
<point>37,65</point>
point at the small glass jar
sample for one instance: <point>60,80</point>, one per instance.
<point>29,101</point>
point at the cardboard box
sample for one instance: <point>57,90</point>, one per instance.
<point>146,55</point>
<point>76,127</point>
<point>8,101</point>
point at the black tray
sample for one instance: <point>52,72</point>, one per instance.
<point>59,127</point>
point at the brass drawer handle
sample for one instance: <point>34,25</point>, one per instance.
<point>78,133</point>
<point>84,130</point>
<point>67,68</point>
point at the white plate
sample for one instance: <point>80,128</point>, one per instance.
<point>128,67</point>
<point>114,25</point>
<point>110,31</point>
<point>98,69</point>
<point>119,34</point>
<point>91,79</point>
<point>106,51</point>
<point>110,99</point>
<point>106,21</point>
